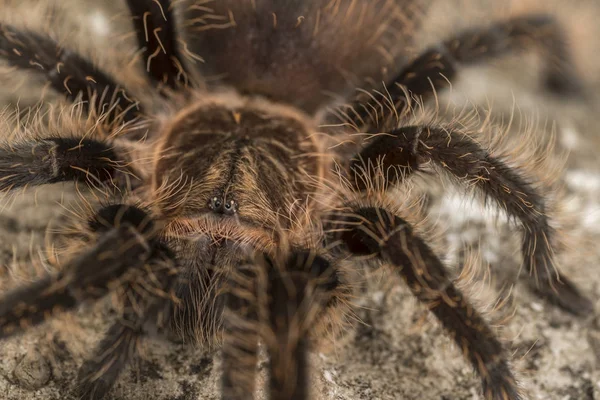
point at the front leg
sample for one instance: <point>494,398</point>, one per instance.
<point>128,258</point>
<point>143,312</point>
<point>126,242</point>
<point>300,289</point>
<point>278,300</point>
<point>375,231</point>
<point>241,333</point>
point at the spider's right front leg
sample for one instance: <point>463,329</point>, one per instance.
<point>145,304</point>
<point>146,297</point>
<point>87,277</point>
<point>127,258</point>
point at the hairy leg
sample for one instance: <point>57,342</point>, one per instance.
<point>437,67</point>
<point>288,347</point>
<point>278,300</point>
<point>241,333</point>
<point>52,160</point>
<point>156,32</point>
<point>127,258</point>
<point>145,303</point>
<point>376,231</point>
<point>146,299</point>
<point>66,71</point>
<point>454,153</point>
<point>121,247</point>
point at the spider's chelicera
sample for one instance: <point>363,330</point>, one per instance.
<point>232,225</point>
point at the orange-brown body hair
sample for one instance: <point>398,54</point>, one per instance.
<point>257,160</point>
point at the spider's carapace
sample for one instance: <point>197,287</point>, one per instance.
<point>235,165</point>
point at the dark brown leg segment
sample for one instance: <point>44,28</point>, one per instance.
<point>67,72</point>
<point>299,289</point>
<point>87,277</point>
<point>129,257</point>
<point>143,312</point>
<point>278,301</point>
<point>375,231</point>
<point>56,160</point>
<point>462,158</point>
<point>241,334</point>
<point>437,67</point>
<point>156,31</point>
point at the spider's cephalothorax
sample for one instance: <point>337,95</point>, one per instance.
<point>239,221</point>
<point>244,169</point>
<point>235,152</point>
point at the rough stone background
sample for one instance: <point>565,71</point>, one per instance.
<point>397,352</point>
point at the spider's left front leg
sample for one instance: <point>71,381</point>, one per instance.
<point>454,153</point>
<point>375,231</point>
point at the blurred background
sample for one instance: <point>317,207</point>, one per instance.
<point>396,351</point>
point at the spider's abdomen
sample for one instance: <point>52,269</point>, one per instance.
<point>243,159</point>
<point>300,52</point>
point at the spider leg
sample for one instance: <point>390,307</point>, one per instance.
<point>98,375</point>
<point>54,160</point>
<point>299,289</point>
<point>375,231</point>
<point>437,67</point>
<point>123,247</point>
<point>156,31</point>
<point>411,147</point>
<point>240,334</point>
<point>294,292</point>
<point>143,311</point>
<point>67,72</point>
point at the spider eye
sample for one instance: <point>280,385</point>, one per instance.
<point>231,207</point>
<point>215,203</point>
<point>220,205</point>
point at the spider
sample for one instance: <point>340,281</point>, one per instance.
<point>237,220</point>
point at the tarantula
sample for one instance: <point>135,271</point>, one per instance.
<point>237,218</point>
